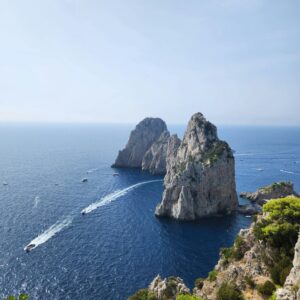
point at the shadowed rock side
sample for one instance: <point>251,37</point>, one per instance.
<point>200,179</point>
<point>155,158</point>
<point>140,140</point>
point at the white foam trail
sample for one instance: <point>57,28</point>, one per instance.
<point>113,196</point>
<point>92,170</point>
<point>50,232</point>
<point>289,172</point>
<point>243,154</point>
<point>36,201</point>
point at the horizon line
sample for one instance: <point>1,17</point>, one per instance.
<point>8,122</point>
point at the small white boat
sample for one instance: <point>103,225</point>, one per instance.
<point>29,247</point>
<point>5,183</point>
<point>116,174</point>
<point>84,180</point>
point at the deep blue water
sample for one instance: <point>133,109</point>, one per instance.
<point>120,246</point>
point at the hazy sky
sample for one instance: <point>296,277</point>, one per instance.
<point>236,61</point>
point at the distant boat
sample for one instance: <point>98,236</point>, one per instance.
<point>116,174</point>
<point>29,247</point>
<point>259,169</point>
<point>5,183</point>
<point>84,180</point>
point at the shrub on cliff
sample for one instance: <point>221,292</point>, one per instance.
<point>229,291</point>
<point>212,275</point>
<point>279,230</point>
<point>143,294</point>
<point>199,283</point>
<point>187,297</point>
<point>267,288</point>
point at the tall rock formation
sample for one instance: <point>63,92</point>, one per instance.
<point>141,139</point>
<point>200,179</point>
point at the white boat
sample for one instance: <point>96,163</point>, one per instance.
<point>5,183</point>
<point>116,174</point>
<point>29,247</point>
<point>84,180</point>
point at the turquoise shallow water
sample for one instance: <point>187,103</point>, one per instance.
<point>118,246</point>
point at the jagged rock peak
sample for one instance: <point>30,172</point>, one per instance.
<point>200,179</point>
<point>140,140</point>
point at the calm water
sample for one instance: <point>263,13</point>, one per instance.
<point>119,246</point>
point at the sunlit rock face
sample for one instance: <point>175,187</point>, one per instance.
<point>200,178</point>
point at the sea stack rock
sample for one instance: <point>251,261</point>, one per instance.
<point>200,179</point>
<point>141,139</point>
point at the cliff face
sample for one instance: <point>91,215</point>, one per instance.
<point>262,258</point>
<point>141,139</point>
<point>291,288</point>
<point>200,179</point>
<point>155,158</point>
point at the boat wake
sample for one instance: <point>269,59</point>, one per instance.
<point>113,196</point>
<point>36,201</point>
<point>92,170</point>
<point>48,234</point>
<point>289,172</point>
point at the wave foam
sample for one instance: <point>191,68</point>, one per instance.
<point>113,196</point>
<point>289,172</point>
<point>36,201</point>
<point>49,233</point>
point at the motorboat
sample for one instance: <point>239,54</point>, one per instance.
<point>29,247</point>
<point>116,174</point>
<point>84,180</point>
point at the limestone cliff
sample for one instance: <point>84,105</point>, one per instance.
<point>141,139</point>
<point>200,179</point>
<point>263,258</point>
<point>291,288</point>
<point>155,158</point>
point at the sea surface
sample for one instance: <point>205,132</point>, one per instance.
<point>118,246</point>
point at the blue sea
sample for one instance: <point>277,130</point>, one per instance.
<point>118,246</point>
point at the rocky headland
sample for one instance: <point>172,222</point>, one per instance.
<point>263,263</point>
<point>200,178</point>
<point>273,191</point>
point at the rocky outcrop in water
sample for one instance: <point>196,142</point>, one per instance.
<point>141,139</point>
<point>200,179</point>
<point>273,191</point>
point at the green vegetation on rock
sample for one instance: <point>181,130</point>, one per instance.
<point>267,288</point>
<point>229,291</point>
<point>143,294</point>
<point>188,297</point>
<point>199,283</point>
<point>235,252</point>
<point>212,275</point>
<point>279,230</point>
